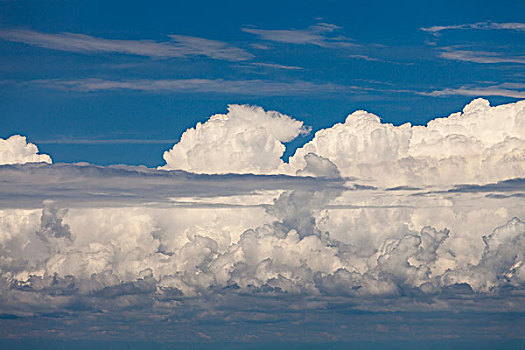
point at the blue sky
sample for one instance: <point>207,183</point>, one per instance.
<point>119,82</point>
<point>251,229</point>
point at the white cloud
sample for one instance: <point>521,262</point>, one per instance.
<point>295,246</point>
<point>155,245</point>
<point>245,140</point>
<point>16,150</point>
<point>318,35</point>
<point>465,147</point>
<point>481,144</point>
<point>180,46</point>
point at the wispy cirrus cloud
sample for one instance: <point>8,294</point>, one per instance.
<point>275,66</point>
<point>180,46</point>
<point>515,90</point>
<point>512,26</point>
<point>458,54</point>
<point>320,34</point>
<point>365,57</point>
<point>72,141</point>
<point>239,87</point>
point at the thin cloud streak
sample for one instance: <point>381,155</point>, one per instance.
<point>275,66</point>
<point>513,26</point>
<point>504,90</point>
<point>254,87</point>
<point>101,142</point>
<point>314,35</point>
<point>240,87</point>
<point>365,57</point>
<point>451,53</point>
<point>180,46</point>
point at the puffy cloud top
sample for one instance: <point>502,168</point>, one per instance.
<point>481,144</point>
<point>245,140</point>
<point>16,150</point>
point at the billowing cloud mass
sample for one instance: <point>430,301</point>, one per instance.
<point>16,150</point>
<point>387,226</point>
<point>481,144</point>
<point>245,140</point>
<point>478,145</point>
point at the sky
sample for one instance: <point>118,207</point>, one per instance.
<point>119,82</point>
<point>262,174</point>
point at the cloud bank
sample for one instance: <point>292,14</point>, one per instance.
<point>68,258</point>
<point>478,145</point>
<point>367,221</point>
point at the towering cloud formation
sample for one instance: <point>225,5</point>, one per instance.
<point>245,140</point>
<point>16,150</point>
<point>166,245</point>
<point>479,145</point>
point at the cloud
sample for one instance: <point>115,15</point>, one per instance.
<point>511,185</point>
<point>506,90</point>
<point>318,35</point>
<point>465,147</point>
<point>245,140</point>
<point>172,253</point>
<point>180,46</point>
<point>276,66</point>
<point>511,26</point>
<point>364,57</point>
<point>161,258</point>
<point>16,150</point>
<point>121,185</point>
<point>452,150</point>
<point>220,86</point>
<point>453,53</point>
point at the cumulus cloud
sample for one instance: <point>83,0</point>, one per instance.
<point>119,244</point>
<point>481,144</point>
<point>245,140</point>
<point>100,253</point>
<point>466,147</point>
<point>16,150</point>
<point>366,218</point>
